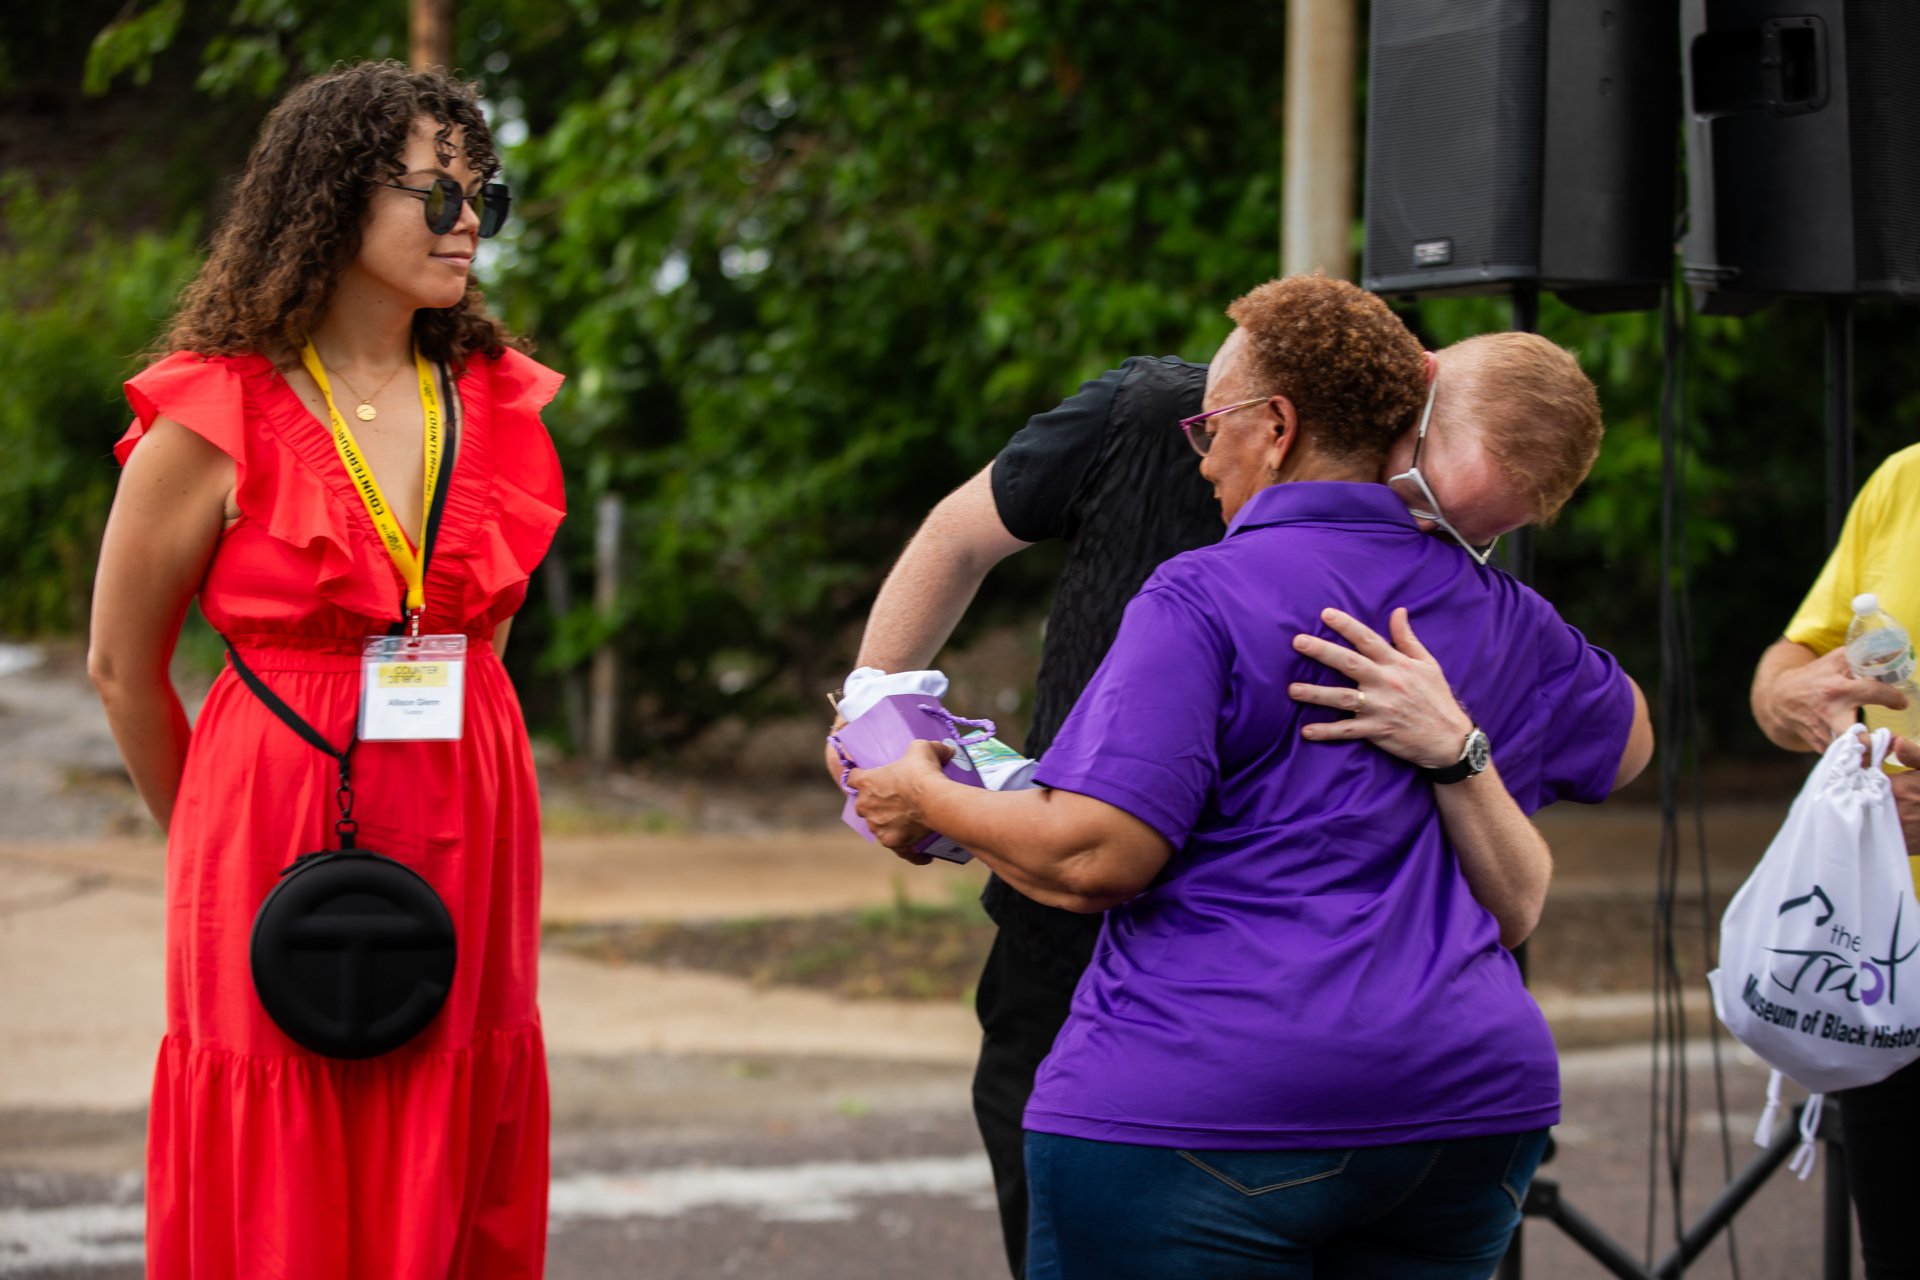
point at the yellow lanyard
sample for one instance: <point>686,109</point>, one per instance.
<point>410,564</point>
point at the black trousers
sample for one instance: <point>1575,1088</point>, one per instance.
<point>1021,1004</point>
<point>1880,1125</point>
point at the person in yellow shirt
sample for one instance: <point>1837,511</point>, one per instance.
<point>1804,695</point>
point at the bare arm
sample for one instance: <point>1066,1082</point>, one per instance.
<point>1409,711</point>
<point>1058,848</point>
<point>932,583</point>
<point>1802,701</point>
<point>936,577</point>
<point>167,518</point>
<point>1639,748</point>
<point>1906,793</point>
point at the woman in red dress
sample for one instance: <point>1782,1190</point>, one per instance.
<point>265,1159</point>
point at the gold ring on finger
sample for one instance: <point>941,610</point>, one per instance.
<point>1359,701</point>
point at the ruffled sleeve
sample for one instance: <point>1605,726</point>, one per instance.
<point>528,497</point>
<point>288,484</point>
<point>204,396</point>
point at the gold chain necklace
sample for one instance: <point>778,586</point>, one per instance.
<point>364,410</point>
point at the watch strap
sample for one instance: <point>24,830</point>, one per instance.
<point>1463,768</point>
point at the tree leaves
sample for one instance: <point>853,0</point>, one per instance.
<point>808,264</point>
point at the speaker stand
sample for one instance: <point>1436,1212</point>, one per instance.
<point>1839,414</point>
<point>1518,547</point>
<point>1544,1201</point>
<point>1526,308</point>
<point>1543,1196</point>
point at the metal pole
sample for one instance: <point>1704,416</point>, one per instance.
<point>604,679</point>
<point>1543,1201</point>
<point>1317,162</point>
<point>1836,1246</point>
<point>1518,548</point>
<point>573,689</point>
<point>1837,1238</point>
<point>431,34</point>
<point>1734,1197</point>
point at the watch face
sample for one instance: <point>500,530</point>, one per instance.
<point>1479,751</point>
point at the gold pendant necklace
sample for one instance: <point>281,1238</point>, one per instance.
<point>364,410</point>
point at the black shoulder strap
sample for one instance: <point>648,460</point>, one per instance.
<point>345,827</point>
<point>286,714</point>
<point>445,481</point>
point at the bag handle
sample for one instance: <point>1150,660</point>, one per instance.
<point>954,722</point>
<point>1880,743</point>
<point>933,709</point>
<point>847,766</point>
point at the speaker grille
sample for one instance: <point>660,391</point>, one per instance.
<point>1883,68</point>
<point>1454,137</point>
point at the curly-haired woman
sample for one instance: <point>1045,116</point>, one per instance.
<point>1301,1048</point>
<point>278,471</point>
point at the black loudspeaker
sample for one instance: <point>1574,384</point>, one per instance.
<point>1522,143</point>
<point>1803,150</point>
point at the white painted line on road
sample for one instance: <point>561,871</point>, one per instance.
<point>822,1191</point>
<point>103,1235</point>
<point>15,658</point>
<point>76,1235</point>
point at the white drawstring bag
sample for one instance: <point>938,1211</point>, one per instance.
<point>1813,971</point>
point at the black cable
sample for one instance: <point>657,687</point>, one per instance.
<point>1691,710</point>
<point>1689,763</point>
<point>1667,1121</point>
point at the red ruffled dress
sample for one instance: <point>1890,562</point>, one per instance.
<point>266,1160</point>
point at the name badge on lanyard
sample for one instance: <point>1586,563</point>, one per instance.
<point>412,686</point>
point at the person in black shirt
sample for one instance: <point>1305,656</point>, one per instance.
<point>1109,472</point>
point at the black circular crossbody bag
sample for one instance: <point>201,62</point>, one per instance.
<point>353,953</point>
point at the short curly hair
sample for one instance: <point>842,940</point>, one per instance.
<point>294,224</point>
<point>1354,373</point>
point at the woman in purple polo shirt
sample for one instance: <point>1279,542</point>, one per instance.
<point>1301,1048</point>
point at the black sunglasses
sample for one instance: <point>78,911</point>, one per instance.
<point>444,198</point>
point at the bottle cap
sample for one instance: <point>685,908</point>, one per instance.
<point>1865,603</point>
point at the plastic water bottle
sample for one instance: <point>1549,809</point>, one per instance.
<point>1878,648</point>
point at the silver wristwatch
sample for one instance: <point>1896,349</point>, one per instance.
<point>1475,756</point>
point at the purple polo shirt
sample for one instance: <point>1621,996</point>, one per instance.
<point>1310,969</point>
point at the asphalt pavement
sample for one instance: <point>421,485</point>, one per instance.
<point>705,1127</point>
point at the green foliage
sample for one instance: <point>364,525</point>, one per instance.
<point>76,304</point>
<point>131,42</point>
<point>249,49</point>
<point>810,264</point>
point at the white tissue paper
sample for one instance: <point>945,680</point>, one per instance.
<point>867,685</point>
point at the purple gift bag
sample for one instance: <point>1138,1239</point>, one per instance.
<point>882,735</point>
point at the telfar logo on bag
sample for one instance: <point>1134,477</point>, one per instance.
<point>1843,966</point>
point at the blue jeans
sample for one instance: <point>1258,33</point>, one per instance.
<point>1417,1211</point>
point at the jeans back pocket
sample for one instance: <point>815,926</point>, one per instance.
<point>1255,1173</point>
